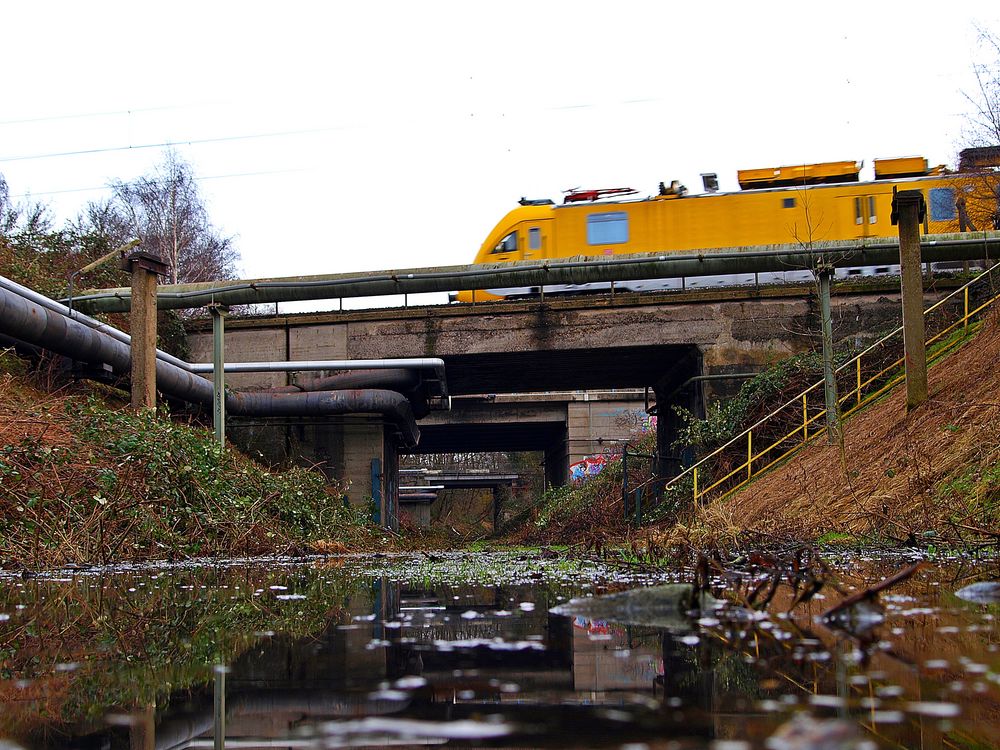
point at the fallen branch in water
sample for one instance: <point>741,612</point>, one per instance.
<point>872,591</point>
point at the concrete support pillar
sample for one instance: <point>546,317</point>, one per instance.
<point>501,494</point>
<point>908,210</point>
<point>362,442</point>
<point>672,461</point>
<point>579,438</point>
<point>557,463</point>
<point>144,268</point>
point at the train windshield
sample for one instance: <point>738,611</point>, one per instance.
<point>507,245</point>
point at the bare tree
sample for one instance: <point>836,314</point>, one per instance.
<point>21,219</point>
<point>166,211</point>
<point>983,123</point>
<point>979,206</point>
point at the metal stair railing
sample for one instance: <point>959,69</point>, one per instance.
<point>866,387</point>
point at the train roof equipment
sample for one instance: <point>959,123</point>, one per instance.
<point>824,173</point>
<point>578,195</point>
<point>904,166</point>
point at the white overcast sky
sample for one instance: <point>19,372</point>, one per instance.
<point>396,134</point>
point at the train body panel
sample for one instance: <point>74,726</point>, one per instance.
<point>675,222</point>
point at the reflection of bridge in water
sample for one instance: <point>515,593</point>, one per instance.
<point>446,653</point>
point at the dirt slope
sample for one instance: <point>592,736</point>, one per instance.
<point>898,475</point>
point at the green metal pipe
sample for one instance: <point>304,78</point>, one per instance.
<point>582,270</point>
<point>219,372</point>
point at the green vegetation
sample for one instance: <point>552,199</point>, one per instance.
<point>977,486</point>
<point>756,397</point>
<point>86,482</point>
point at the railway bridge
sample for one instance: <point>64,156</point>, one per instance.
<point>679,348</point>
<point>564,376</point>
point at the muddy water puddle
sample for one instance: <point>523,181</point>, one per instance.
<point>465,650</point>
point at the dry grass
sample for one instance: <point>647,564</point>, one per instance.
<point>894,476</point>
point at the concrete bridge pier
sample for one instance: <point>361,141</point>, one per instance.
<point>678,387</point>
<point>557,462</point>
<point>358,450</point>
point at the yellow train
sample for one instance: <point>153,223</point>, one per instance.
<point>775,206</point>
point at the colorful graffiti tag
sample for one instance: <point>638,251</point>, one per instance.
<point>591,466</point>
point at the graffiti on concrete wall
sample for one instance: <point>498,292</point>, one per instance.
<point>636,420</point>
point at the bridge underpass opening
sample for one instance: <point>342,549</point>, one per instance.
<point>533,451</point>
<point>668,370</point>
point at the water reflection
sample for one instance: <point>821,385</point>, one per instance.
<point>365,652</point>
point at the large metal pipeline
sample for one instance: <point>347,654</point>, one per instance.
<point>579,270</point>
<point>395,407</point>
<point>402,381</point>
<point>394,379</point>
<point>97,325</point>
<point>29,321</point>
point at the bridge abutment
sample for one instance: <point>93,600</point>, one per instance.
<point>358,452</point>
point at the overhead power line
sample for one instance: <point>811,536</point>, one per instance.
<point>84,115</point>
<point>192,142</point>
<point>197,179</point>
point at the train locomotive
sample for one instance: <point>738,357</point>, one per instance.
<point>785,205</point>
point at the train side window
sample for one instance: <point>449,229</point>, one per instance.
<point>872,216</point>
<point>534,238</point>
<point>942,202</point>
<point>607,229</point>
<point>507,245</point>
<point>859,211</point>
<point>788,203</point>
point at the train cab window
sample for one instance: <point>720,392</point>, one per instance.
<point>872,216</point>
<point>788,203</point>
<point>859,211</point>
<point>608,228</point>
<point>507,245</point>
<point>942,202</point>
<point>534,238</point>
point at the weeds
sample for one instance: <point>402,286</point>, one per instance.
<point>82,482</point>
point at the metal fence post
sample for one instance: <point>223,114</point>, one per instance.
<point>219,370</point>
<point>749,455</point>
<point>858,361</point>
<point>625,480</point>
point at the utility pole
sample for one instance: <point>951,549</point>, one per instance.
<point>144,268</point>
<point>908,211</point>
